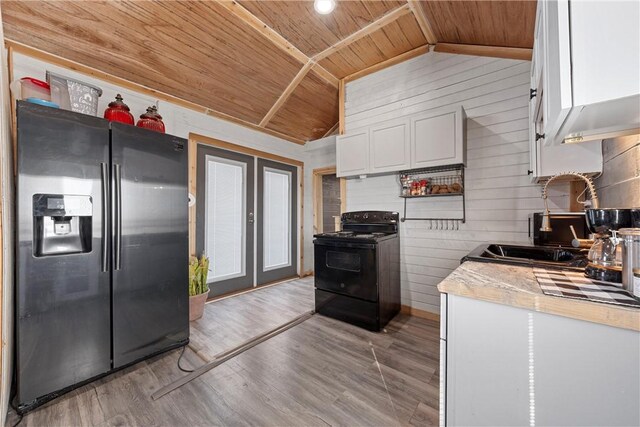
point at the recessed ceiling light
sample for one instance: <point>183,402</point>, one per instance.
<point>324,7</point>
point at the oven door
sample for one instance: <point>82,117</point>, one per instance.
<point>346,268</point>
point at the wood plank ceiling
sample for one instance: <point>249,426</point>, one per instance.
<point>269,65</point>
<point>492,23</point>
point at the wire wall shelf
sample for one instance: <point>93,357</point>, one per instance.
<point>435,182</point>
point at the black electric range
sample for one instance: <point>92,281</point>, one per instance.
<point>357,269</point>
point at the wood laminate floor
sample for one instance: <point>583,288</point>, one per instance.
<point>321,372</point>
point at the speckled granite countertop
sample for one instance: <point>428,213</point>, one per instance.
<point>517,286</point>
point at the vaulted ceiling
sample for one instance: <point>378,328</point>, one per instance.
<point>270,65</point>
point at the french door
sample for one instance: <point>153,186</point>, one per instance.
<point>225,218</point>
<point>277,221</point>
<point>246,219</point>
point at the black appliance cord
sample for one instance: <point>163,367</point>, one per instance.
<point>19,421</point>
<point>20,416</point>
<point>180,358</point>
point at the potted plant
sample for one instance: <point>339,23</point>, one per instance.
<point>198,287</point>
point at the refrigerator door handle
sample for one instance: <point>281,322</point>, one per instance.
<point>117,216</point>
<point>105,216</point>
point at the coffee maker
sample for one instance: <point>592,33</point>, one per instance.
<point>605,255</point>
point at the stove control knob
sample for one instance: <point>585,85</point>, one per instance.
<point>365,216</point>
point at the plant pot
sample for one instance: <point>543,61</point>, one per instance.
<point>196,306</point>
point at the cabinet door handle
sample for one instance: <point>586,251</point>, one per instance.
<point>529,172</point>
<point>539,136</point>
<point>532,93</point>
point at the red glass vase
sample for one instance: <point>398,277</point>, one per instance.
<point>151,120</point>
<point>118,111</point>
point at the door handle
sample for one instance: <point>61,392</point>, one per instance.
<point>251,218</point>
<point>117,223</point>
<point>104,168</point>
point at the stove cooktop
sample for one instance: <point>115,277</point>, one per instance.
<point>370,226</point>
<point>351,235</point>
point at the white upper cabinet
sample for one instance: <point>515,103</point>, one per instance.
<point>552,107</point>
<point>555,94</point>
<point>611,29</point>
<point>553,159</point>
<point>534,108</point>
<point>352,153</point>
<point>389,146</point>
<point>438,138</point>
<point>588,53</point>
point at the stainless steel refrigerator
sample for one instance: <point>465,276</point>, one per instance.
<point>102,256</point>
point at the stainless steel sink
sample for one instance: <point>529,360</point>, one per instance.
<point>535,256</point>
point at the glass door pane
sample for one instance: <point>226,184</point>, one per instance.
<point>225,211</point>
<point>277,221</point>
<point>224,218</point>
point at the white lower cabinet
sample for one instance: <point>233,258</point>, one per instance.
<point>511,366</point>
<point>443,360</point>
<point>487,377</point>
<point>389,146</point>
<point>585,373</point>
<point>352,154</point>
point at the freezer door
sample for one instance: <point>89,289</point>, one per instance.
<point>150,243</point>
<point>62,315</point>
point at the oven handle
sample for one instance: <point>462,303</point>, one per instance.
<point>343,244</point>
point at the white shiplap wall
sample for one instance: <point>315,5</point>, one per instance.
<point>619,185</point>
<point>500,196</point>
<point>320,153</point>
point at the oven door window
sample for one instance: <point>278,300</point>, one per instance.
<point>346,270</point>
<point>343,261</point>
